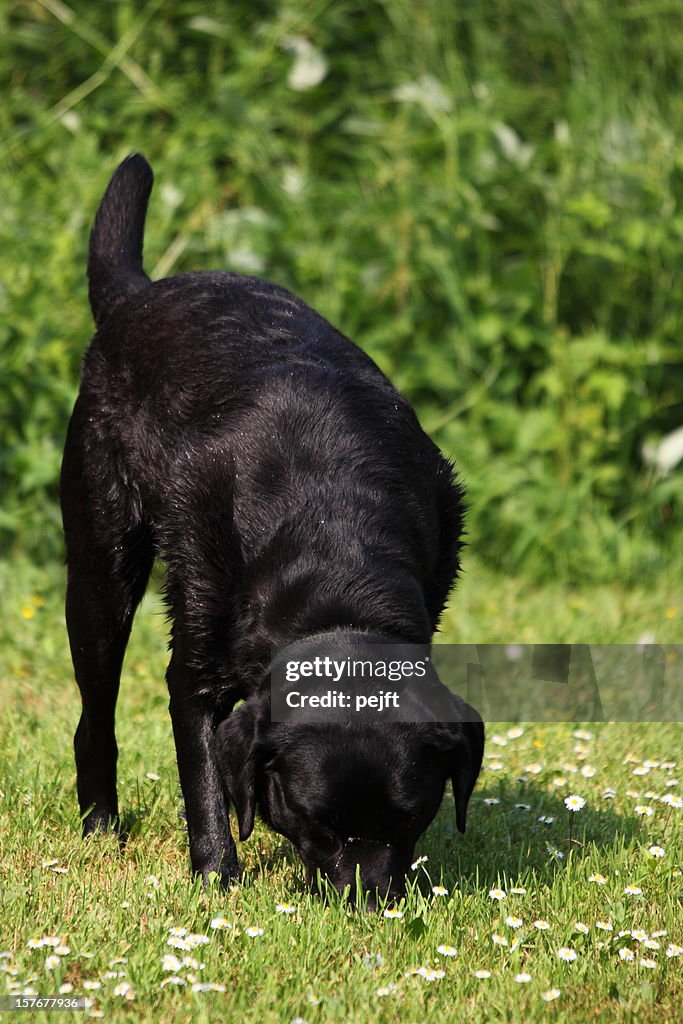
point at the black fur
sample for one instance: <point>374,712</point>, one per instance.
<point>227,428</point>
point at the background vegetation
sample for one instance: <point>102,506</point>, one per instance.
<point>487,197</point>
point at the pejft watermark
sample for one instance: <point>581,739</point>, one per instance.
<point>47,1003</point>
<point>342,677</point>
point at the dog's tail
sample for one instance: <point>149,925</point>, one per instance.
<point>115,257</point>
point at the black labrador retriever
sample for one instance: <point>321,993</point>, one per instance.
<point>225,427</point>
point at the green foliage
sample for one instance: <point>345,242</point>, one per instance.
<point>487,198</point>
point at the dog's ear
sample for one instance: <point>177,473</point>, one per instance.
<point>462,744</point>
<point>237,756</point>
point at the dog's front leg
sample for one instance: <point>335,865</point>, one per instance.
<point>193,714</point>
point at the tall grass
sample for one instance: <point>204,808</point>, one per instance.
<point>486,197</point>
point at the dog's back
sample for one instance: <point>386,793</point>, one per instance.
<point>240,414</point>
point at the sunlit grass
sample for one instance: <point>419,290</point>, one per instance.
<point>513,921</point>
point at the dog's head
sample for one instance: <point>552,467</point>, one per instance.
<point>349,794</point>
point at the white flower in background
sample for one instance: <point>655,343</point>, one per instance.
<point>309,67</point>
<point>550,995</point>
<point>513,652</point>
<point>293,181</point>
<point>513,149</point>
<point>665,455</point>
<point>427,92</point>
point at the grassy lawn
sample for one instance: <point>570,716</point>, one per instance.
<point>605,896</point>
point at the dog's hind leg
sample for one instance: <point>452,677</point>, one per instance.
<point>109,558</point>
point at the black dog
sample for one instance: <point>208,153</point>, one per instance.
<point>226,427</point>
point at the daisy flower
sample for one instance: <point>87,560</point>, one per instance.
<point>497,894</point>
<point>498,940</point>
<point>431,973</point>
<point>643,810</point>
<point>522,978</point>
<point>513,922</point>
<point>220,922</point>
<point>672,800</point>
<point>604,926</point>
<point>420,860</point>
<point>598,879</point>
<point>656,851</point>
<point>491,800</point>
<point>518,890</point>
<point>579,926</point>
<point>574,802</point>
<point>481,974</point>
<point>439,890</point>
<point>550,994</point>
<point>626,954</point>
<point>446,950</point>
<point>648,962</point>
<point>125,989</point>
<point>673,950</point>
<point>392,912</point>
<point>285,908</point>
<point>253,932</point>
<point>373,960</point>
<point>633,890</point>
<point>566,954</point>
<point>542,926</point>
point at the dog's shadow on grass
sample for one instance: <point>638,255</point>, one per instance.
<point>513,830</point>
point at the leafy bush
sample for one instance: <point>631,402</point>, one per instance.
<point>488,199</point>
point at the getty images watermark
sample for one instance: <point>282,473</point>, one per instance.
<point>339,677</point>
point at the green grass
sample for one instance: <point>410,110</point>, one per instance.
<point>320,963</point>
